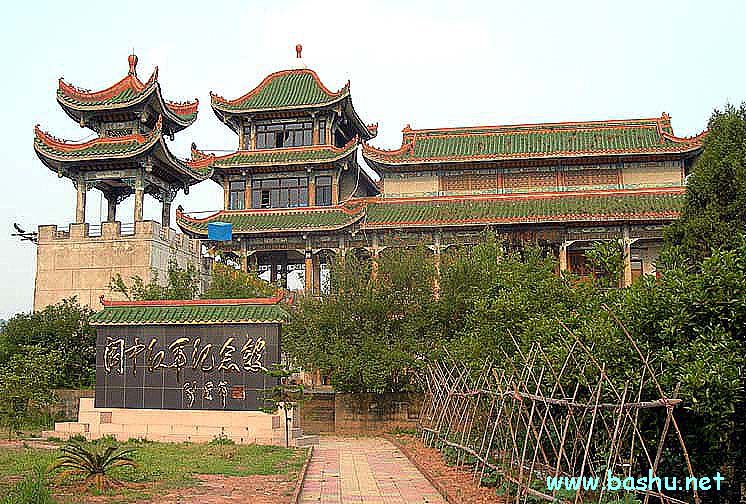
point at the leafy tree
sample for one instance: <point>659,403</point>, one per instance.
<point>230,283</point>
<point>715,209</point>
<point>284,396</point>
<point>181,283</point>
<point>61,327</point>
<point>606,259</point>
<point>370,333</point>
<point>26,380</point>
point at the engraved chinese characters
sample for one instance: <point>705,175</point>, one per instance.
<point>183,366</point>
<point>118,357</point>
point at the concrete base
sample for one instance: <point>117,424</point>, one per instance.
<point>242,427</point>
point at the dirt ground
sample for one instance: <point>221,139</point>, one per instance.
<point>457,485</point>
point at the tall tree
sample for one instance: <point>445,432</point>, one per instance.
<point>715,209</point>
<point>60,327</point>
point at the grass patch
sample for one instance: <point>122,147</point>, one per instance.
<point>162,466</point>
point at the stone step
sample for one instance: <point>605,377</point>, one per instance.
<point>307,440</point>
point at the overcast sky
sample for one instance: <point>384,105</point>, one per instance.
<point>429,63</point>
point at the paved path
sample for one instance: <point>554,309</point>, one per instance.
<point>364,471</point>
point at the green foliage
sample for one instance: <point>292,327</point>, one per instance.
<point>32,489</point>
<point>180,283</point>
<point>26,381</point>
<point>94,466</point>
<point>62,328</point>
<point>715,209</point>
<point>284,396</point>
<point>230,283</point>
<point>221,440</point>
<point>606,259</point>
<point>369,334</point>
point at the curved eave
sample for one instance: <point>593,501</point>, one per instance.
<point>201,159</point>
<point>189,224</point>
<point>73,101</point>
<point>569,218</point>
<point>387,160</point>
<point>55,153</point>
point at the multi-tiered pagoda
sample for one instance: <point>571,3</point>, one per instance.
<point>129,155</point>
<point>295,195</point>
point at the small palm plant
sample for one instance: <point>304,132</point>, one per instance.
<point>94,466</point>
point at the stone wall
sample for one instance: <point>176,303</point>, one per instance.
<point>80,262</point>
<point>68,402</point>
<point>359,414</point>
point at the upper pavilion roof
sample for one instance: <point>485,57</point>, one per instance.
<point>103,152</point>
<point>534,141</point>
<point>127,93</point>
<point>295,89</point>
<point>627,205</point>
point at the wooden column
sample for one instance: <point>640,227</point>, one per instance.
<point>311,190</point>
<point>308,273</point>
<point>244,257</point>
<point>627,251</point>
<point>111,208</point>
<point>436,279</point>
<point>563,256</point>
<point>226,193</point>
<point>252,136</point>
<point>335,189</point>
<point>316,274</point>
<point>80,204</point>
<point>166,215</point>
<point>139,195</point>
<point>247,193</point>
<point>315,134</point>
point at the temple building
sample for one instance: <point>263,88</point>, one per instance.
<point>296,196</point>
<point>296,193</point>
<point>128,156</point>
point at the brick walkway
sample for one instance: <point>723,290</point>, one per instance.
<point>364,471</point>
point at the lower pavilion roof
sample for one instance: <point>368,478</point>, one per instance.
<point>103,151</point>
<point>452,211</point>
<point>204,311</point>
<point>314,154</point>
<point>632,137</point>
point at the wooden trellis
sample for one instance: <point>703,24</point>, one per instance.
<point>531,417</point>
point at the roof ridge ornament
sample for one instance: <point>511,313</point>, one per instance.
<point>132,60</point>
<point>298,50</point>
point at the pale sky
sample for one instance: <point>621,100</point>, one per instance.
<point>429,63</point>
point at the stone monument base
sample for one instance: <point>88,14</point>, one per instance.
<point>176,426</point>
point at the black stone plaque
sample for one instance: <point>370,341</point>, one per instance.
<point>183,367</point>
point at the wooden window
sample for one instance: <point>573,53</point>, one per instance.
<point>284,134</point>
<point>288,192</point>
<point>323,191</point>
<point>236,192</point>
<point>322,132</point>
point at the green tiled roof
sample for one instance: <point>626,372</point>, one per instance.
<point>188,314</point>
<point>126,92</point>
<point>270,157</point>
<point>516,210</point>
<point>640,136</point>
<point>281,90</point>
<point>454,211</point>
<point>258,221</point>
<point>55,152</point>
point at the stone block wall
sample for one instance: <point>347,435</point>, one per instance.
<point>77,262</point>
<point>359,414</point>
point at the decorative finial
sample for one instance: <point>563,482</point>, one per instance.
<point>132,60</point>
<point>298,50</point>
